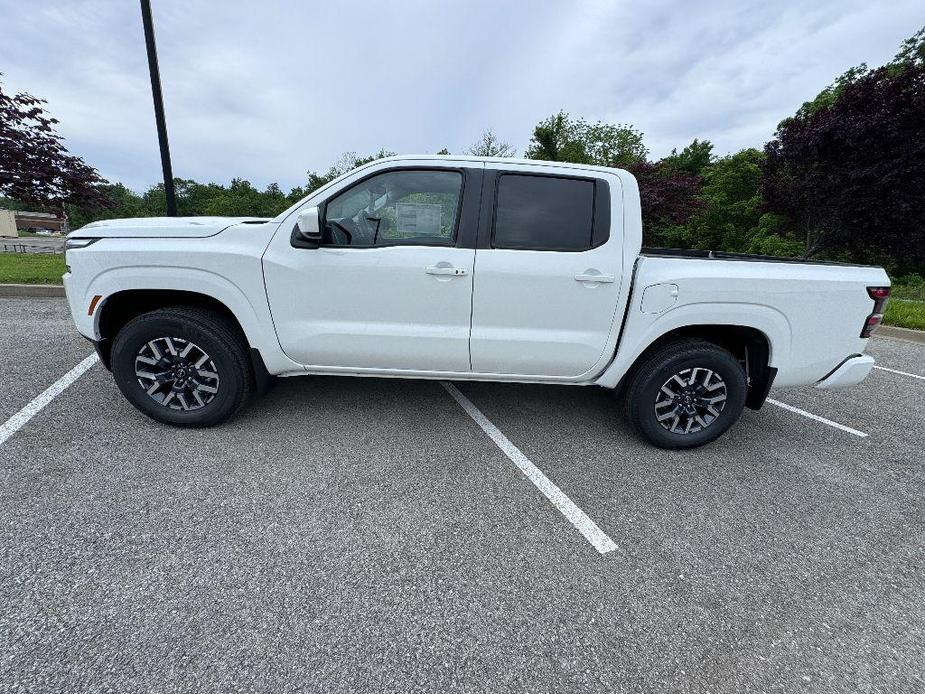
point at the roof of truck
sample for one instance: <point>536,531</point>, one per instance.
<point>499,160</point>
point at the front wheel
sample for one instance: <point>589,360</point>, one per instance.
<point>685,394</point>
<point>184,366</point>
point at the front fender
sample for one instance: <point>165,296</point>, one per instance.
<point>254,317</point>
<point>642,330</point>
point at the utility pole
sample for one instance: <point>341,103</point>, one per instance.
<point>159,108</point>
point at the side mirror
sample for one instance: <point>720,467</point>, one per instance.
<point>307,232</point>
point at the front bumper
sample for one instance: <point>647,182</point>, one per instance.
<point>850,372</point>
<point>84,321</point>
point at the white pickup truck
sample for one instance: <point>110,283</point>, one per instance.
<point>463,268</point>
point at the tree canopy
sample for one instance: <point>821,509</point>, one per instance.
<point>35,167</point>
<point>559,138</point>
<point>850,174</point>
<point>693,159</point>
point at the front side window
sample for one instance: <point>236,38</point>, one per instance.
<point>544,213</point>
<point>396,207</point>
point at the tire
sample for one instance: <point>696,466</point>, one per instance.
<point>699,373</point>
<point>173,389</point>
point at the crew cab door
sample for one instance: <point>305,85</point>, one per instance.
<point>549,267</point>
<point>390,286</point>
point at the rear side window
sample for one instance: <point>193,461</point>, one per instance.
<point>544,213</point>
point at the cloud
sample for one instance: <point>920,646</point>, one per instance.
<point>267,91</point>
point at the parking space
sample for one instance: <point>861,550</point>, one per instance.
<point>368,535</point>
<point>37,345</point>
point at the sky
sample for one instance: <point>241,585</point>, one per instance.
<point>269,90</point>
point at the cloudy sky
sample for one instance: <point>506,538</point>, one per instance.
<point>267,90</point>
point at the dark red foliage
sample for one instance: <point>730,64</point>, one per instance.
<point>34,165</point>
<point>669,198</point>
<point>851,176</point>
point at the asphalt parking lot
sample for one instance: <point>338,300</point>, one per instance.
<point>368,535</point>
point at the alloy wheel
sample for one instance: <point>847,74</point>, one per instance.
<point>690,401</point>
<point>177,373</point>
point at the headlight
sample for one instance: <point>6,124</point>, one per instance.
<point>73,244</point>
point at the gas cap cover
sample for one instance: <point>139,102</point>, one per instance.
<point>659,297</point>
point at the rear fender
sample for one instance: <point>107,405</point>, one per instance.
<point>642,330</point>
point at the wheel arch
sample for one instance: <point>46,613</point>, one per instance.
<point>761,345</point>
<point>117,309</point>
<point>747,344</point>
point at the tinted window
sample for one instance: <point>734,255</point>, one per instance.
<point>410,207</point>
<point>544,213</point>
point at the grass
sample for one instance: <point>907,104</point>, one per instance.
<point>907,303</point>
<point>905,313</point>
<point>908,292</point>
<point>31,268</point>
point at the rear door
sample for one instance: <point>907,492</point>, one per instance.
<point>548,271</point>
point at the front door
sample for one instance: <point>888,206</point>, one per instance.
<point>390,287</point>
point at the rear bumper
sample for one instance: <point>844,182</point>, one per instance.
<point>851,371</point>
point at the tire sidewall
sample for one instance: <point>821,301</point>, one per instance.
<point>146,328</point>
<point>715,359</point>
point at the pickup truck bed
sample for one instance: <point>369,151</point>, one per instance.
<point>799,306</point>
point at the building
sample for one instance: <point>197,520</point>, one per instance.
<point>8,224</point>
<point>14,221</point>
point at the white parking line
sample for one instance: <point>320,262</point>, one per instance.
<point>18,420</point>
<point>810,415</point>
<point>902,373</point>
<point>587,527</point>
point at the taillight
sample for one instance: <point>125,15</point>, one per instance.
<point>880,296</point>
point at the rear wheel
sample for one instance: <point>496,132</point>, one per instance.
<point>685,394</point>
<point>184,366</point>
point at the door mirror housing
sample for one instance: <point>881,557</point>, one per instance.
<point>307,231</point>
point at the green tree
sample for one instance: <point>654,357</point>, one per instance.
<point>731,216</point>
<point>911,54</point>
<point>693,159</point>
<point>559,138</point>
<point>731,195</point>
<point>122,203</point>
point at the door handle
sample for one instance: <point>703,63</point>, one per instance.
<point>443,270</point>
<point>603,279</point>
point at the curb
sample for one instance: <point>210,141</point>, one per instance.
<point>31,290</point>
<point>900,333</point>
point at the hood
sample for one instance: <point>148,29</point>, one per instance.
<point>160,227</point>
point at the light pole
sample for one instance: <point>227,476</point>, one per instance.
<point>159,108</point>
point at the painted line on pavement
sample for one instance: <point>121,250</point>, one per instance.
<point>810,415</point>
<point>38,403</point>
<point>902,373</point>
<point>582,522</point>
